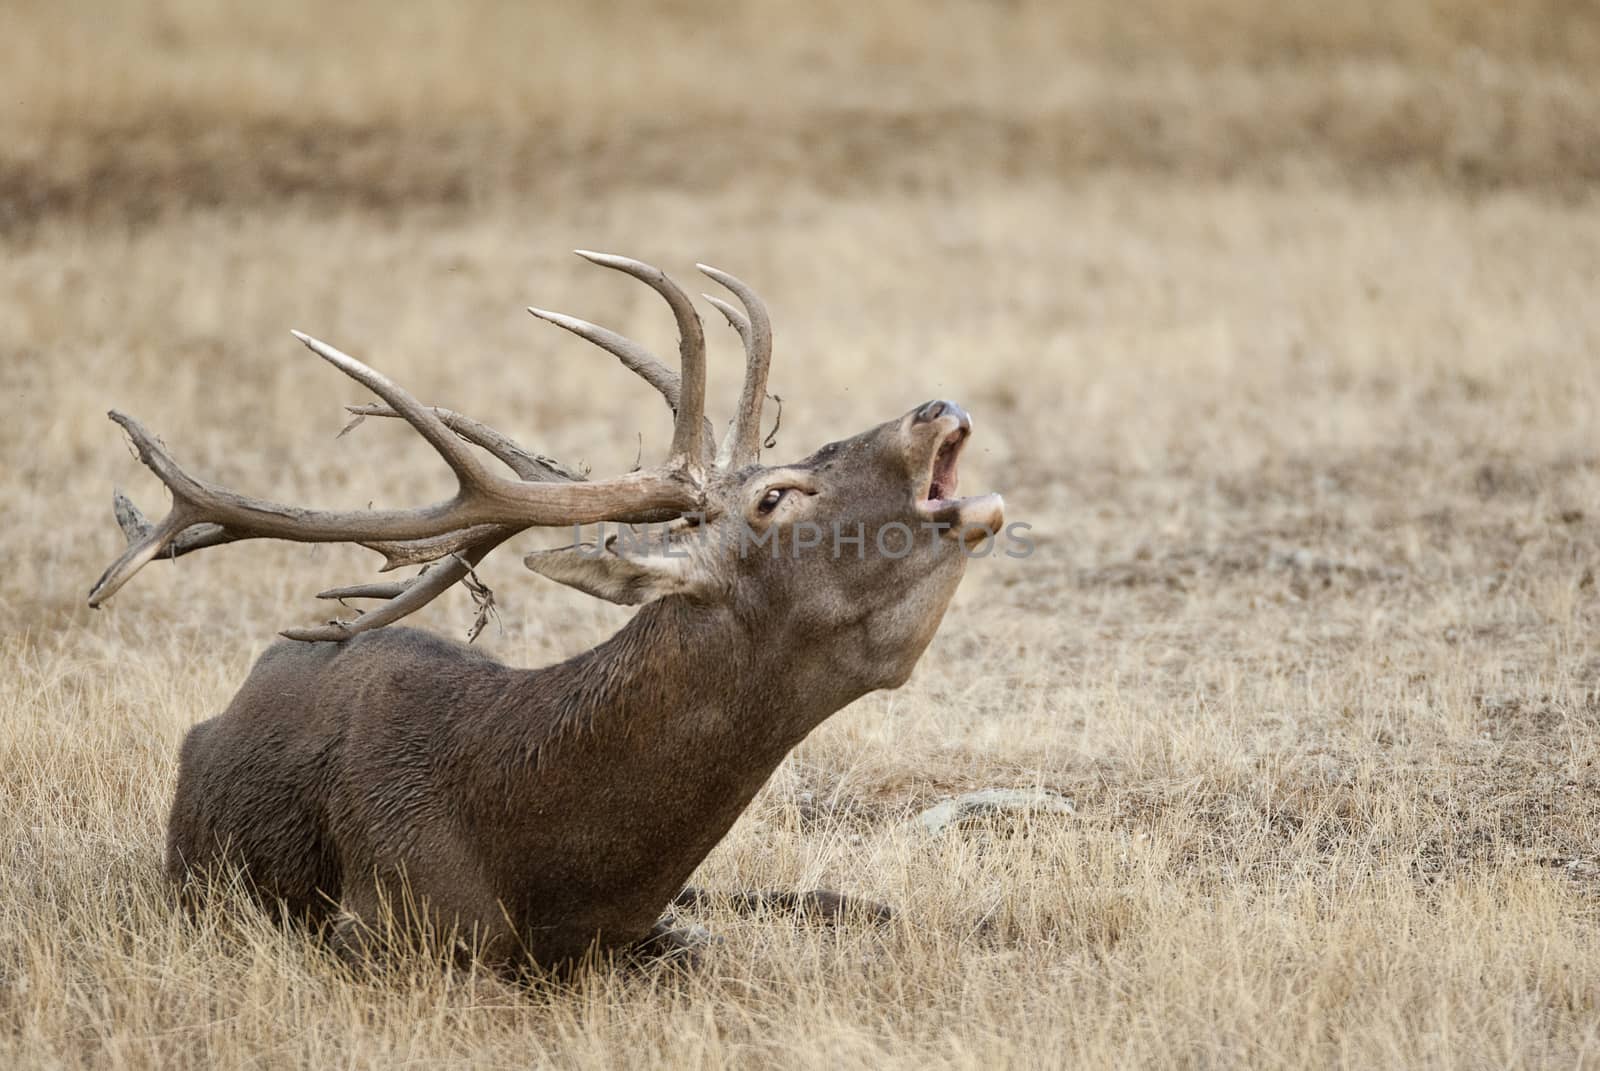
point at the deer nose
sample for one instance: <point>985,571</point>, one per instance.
<point>939,407</point>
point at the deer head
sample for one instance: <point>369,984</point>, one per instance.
<point>861,544</point>
<point>857,548</point>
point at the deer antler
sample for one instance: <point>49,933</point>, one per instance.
<point>742,445</point>
<point>486,510</point>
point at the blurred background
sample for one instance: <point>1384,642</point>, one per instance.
<point>121,112</point>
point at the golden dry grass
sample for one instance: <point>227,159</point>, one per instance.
<point>1279,325</point>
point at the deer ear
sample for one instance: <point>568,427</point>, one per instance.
<point>627,576</point>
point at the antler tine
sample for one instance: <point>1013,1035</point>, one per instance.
<point>405,597</point>
<point>136,526</point>
<point>634,357</point>
<point>688,435</point>
<point>463,462</point>
<point>388,589</point>
<point>742,445</point>
<point>535,468</point>
<point>638,360</point>
<point>740,323</point>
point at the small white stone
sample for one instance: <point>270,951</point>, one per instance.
<point>993,801</point>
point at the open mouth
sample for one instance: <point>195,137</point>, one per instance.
<point>942,479</point>
<point>968,520</point>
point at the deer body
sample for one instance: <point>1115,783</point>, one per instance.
<point>540,808</point>
<point>376,772</point>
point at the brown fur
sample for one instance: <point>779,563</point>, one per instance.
<point>549,811</point>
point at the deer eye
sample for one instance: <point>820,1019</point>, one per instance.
<point>770,500</point>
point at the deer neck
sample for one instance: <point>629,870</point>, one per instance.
<point>684,671</point>
<point>686,703</point>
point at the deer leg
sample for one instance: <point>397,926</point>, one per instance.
<point>354,944</point>
<point>379,917</point>
<point>354,941</point>
<point>815,905</point>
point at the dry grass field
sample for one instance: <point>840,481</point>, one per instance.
<point>1280,323</point>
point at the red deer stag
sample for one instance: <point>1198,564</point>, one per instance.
<point>552,812</point>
